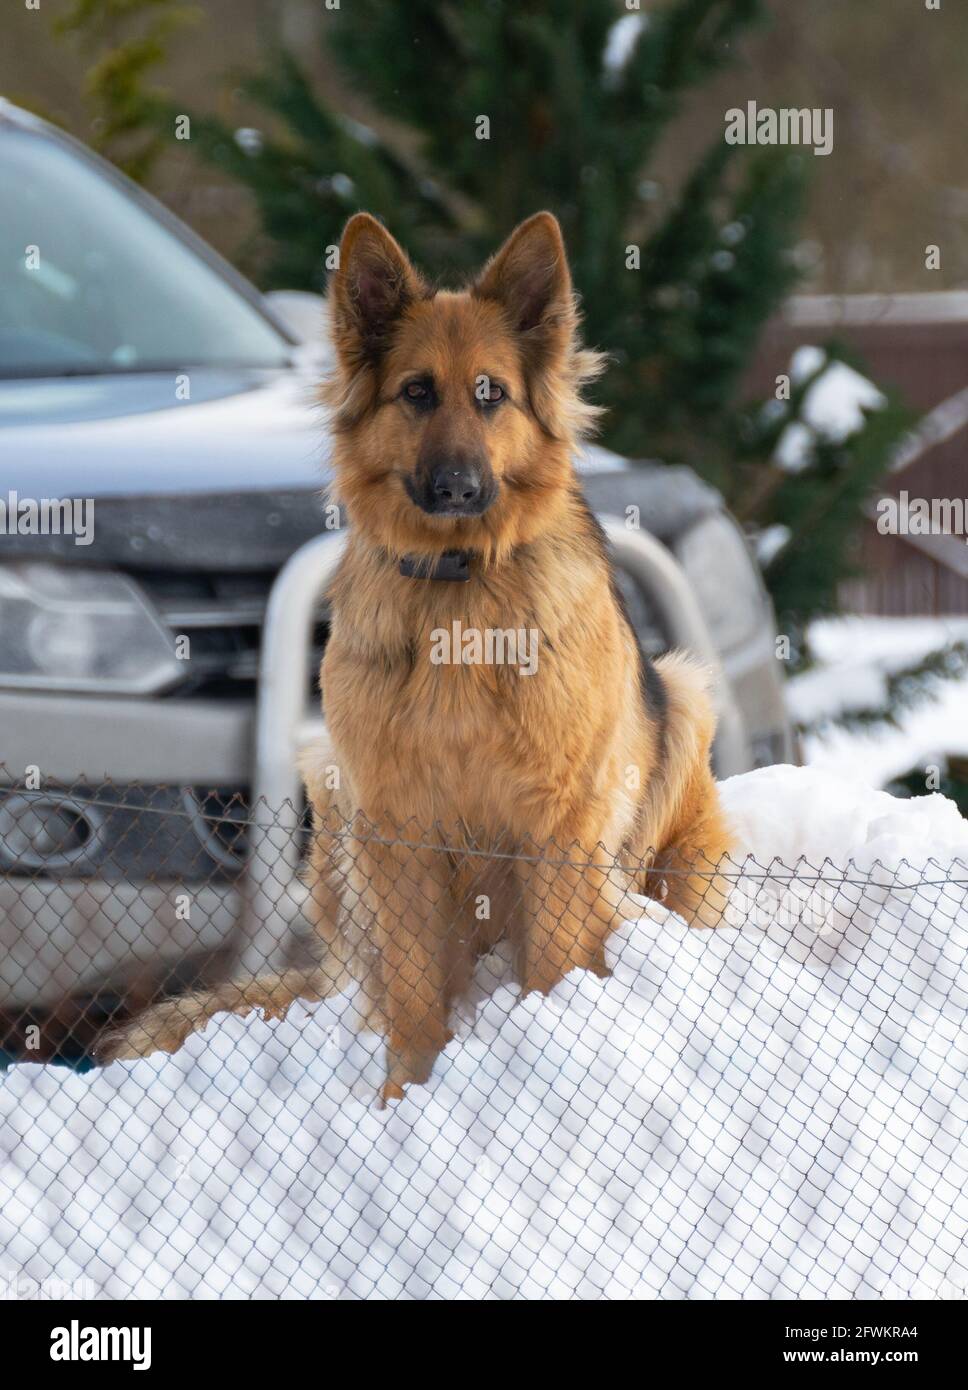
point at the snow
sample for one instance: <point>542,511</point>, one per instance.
<point>853,656</point>
<point>621,41</point>
<point>833,408</point>
<point>772,1109</point>
<point>770,541</point>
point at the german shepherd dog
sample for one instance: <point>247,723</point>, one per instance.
<point>456,418</point>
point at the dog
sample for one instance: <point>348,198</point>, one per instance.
<point>546,787</point>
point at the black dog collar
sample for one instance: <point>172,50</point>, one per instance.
<point>453,565</point>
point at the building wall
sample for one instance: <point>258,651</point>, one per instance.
<point>900,582</point>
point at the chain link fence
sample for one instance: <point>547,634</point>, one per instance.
<point>773,1107</point>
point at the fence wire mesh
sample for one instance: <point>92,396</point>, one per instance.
<point>466,1069</point>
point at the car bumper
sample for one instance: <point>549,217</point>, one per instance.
<point>126,740</point>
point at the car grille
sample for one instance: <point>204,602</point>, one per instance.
<point>221,614</point>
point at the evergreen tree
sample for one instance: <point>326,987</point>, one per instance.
<point>809,505</point>
<point>128,40</point>
<point>522,104</point>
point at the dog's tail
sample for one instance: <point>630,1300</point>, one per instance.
<point>339,963</point>
<point>340,953</point>
<point>165,1026</point>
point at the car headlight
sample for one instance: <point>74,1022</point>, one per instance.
<point>85,630</point>
<point>722,573</point>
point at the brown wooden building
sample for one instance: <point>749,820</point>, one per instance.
<point>917,343</point>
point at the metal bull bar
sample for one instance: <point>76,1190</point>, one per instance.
<point>272,897</point>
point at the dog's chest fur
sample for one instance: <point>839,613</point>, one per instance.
<point>431,718</point>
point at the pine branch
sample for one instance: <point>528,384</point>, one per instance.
<point>905,690</point>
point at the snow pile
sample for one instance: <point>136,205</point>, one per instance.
<point>854,656</point>
<point>775,1109</point>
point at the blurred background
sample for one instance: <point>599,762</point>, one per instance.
<point>892,72</point>
<point>791,328</point>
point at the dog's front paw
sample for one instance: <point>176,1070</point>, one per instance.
<point>392,1090</point>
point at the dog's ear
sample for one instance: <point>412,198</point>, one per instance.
<point>372,287</point>
<point>530,279</point>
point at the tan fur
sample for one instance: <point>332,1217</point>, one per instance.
<point>529,791</point>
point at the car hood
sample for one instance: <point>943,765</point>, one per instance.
<point>241,430</point>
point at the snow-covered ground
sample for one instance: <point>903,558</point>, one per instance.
<point>774,1109</point>
<point>854,655</point>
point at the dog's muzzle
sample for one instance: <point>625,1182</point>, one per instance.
<point>453,490</point>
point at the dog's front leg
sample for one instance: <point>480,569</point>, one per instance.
<point>415,923</point>
<point>569,908</point>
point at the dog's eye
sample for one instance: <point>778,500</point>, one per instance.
<point>488,392</point>
<point>416,391</point>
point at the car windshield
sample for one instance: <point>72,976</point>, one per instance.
<point>91,282</point>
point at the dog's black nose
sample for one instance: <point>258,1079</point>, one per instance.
<point>455,487</point>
